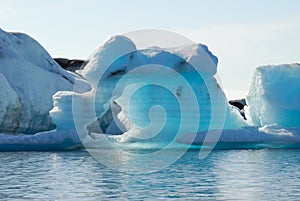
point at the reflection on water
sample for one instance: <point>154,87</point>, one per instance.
<point>223,175</point>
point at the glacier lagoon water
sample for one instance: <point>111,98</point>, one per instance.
<point>263,174</point>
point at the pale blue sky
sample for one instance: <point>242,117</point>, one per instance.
<point>243,34</point>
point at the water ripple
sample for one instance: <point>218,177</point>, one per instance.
<point>223,175</point>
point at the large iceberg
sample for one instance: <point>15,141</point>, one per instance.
<point>128,96</point>
<point>28,79</point>
<point>154,94</point>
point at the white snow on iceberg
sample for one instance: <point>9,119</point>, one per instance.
<point>170,78</point>
<point>154,95</point>
<point>249,137</point>
<point>29,77</point>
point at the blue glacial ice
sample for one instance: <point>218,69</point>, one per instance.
<point>274,96</point>
<point>151,96</point>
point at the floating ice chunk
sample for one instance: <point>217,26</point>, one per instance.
<point>274,96</point>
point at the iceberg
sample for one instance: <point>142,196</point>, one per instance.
<point>139,98</point>
<point>29,77</point>
<point>149,95</point>
<point>274,96</point>
<point>272,112</point>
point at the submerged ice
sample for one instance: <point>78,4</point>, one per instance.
<point>153,95</point>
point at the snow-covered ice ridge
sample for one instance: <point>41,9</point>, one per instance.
<point>25,105</point>
<point>28,79</point>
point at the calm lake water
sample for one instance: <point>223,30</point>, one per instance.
<point>223,175</point>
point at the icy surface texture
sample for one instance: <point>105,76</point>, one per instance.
<point>135,94</point>
<point>29,77</point>
<point>164,81</point>
<point>274,96</point>
<point>270,136</point>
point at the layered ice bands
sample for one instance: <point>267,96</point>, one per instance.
<point>274,96</point>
